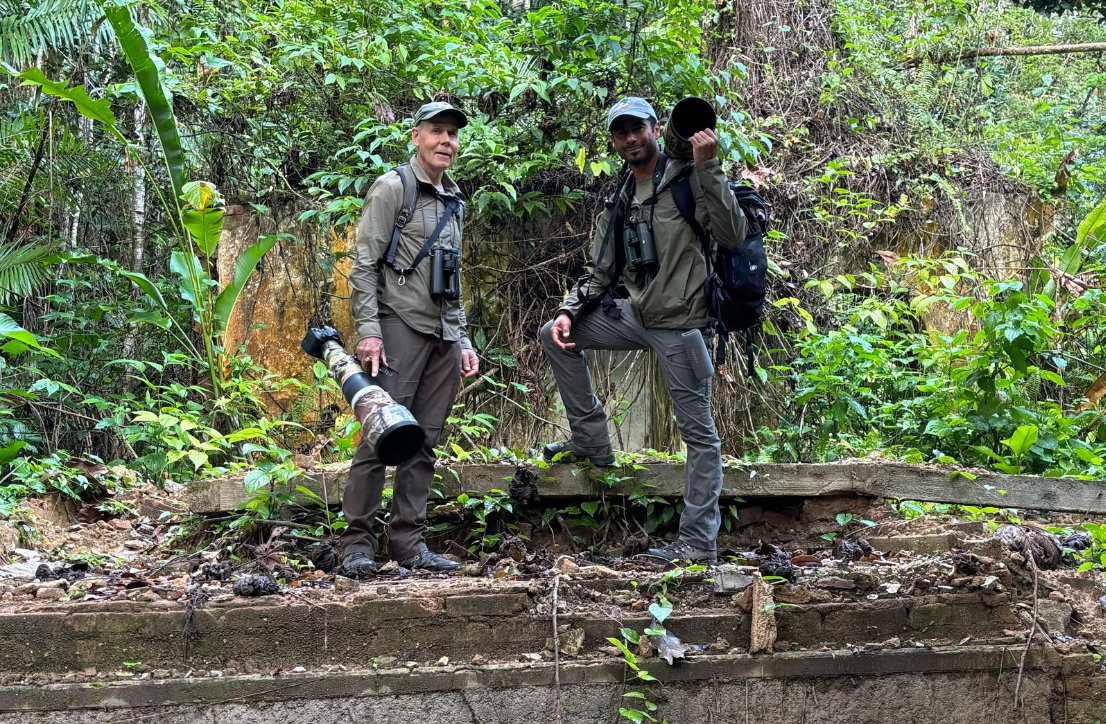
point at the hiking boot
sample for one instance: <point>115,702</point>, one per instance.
<point>682,553</point>
<point>602,455</point>
<point>427,561</point>
<point>357,565</point>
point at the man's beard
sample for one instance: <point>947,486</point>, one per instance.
<point>650,152</point>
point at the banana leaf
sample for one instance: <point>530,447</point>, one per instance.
<point>146,74</point>
<point>96,110</point>
<point>228,298</point>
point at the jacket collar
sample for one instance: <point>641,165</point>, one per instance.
<point>673,170</point>
<point>448,184</point>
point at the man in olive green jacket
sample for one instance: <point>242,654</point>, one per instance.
<point>417,339</point>
<point>663,304</point>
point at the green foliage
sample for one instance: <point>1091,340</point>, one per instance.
<point>993,393</point>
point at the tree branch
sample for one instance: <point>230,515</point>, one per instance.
<point>1026,50</point>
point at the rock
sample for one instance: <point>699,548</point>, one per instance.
<point>120,524</point>
<point>173,488</point>
<point>571,642</point>
<point>135,544</point>
<point>444,661</point>
<point>836,582</point>
<point>529,658</point>
<point>604,572</point>
<point>894,643</point>
<point>50,594</point>
<point>478,660</point>
<point>720,645</point>
<point>727,579</point>
<point>148,597</point>
<point>789,593</point>
<point>9,538</point>
<point>762,637</point>
<point>782,646</point>
<point>565,564</point>
<point>161,673</point>
<point>744,600</point>
<point>1057,596</point>
<point>59,583</point>
<point>299,670</point>
<point>385,662</point>
<point>345,585</point>
<point>622,598</point>
<point>1054,616</point>
<point>7,596</point>
<point>27,589</point>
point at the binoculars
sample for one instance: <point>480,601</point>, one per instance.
<point>690,116</point>
<point>445,273</point>
<point>388,427</point>
<point>641,249</point>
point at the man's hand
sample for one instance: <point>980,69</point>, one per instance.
<point>470,363</point>
<point>704,145</point>
<point>372,348</point>
<point>561,329</point>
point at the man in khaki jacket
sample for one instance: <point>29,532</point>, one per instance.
<point>663,304</point>
<point>415,336</point>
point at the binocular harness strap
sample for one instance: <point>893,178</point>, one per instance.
<point>452,208</point>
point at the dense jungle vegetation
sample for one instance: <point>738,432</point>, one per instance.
<point>938,242</point>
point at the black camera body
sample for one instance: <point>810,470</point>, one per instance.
<point>445,272</point>
<point>641,249</point>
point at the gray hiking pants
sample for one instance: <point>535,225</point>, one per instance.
<point>700,520</point>
<point>428,373</point>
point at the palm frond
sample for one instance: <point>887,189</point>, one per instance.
<point>28,27</point>
<point>22,269</point>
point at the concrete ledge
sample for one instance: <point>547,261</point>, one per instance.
<point>250,635</point>
<point>855,477</point>
<point>308,686</point>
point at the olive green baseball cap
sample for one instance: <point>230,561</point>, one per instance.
<point>440,108</point>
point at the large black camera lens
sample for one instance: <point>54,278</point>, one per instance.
<point>690,116</point>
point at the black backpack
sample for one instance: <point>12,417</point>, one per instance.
<point>735,287</point>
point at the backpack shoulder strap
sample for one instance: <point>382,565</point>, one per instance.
<point>410,198</point>
<point>685,202</point>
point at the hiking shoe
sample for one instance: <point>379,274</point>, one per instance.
<point>602,455</point>
<point>357,565</point>
<point>427,561</point>
<point>682,552</point>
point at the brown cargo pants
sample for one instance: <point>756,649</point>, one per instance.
<point>428,373</point>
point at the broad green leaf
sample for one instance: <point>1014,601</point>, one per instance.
<point>1052,377</point>
<point>187,267</point>
<point>660,611</point>
<point>204,226</point>
<point>149,81</point>
<point>96,110</point>
<point>1071,260</point>
<point>8,453</point>
<point>1023,438</point>
<point>228,298</point>
<point>844,519</point>
<point>1093,227</point>
<point>256,480</point>
<point>138,279</point>
<point>8,328</point>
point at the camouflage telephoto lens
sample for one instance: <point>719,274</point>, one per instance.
<point>387,427</point>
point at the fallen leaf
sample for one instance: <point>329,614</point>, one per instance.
<point>668,647</point>
<point>889,257</point>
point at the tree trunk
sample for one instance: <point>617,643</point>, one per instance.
<point>139,216</point>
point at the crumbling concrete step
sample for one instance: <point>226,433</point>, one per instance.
<point>250,635</point>
<point>939,686</point>
<point>857,477</point>
<point>953,617</point>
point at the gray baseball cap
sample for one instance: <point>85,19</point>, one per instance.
<point>440,108</point>
<point>636,107</point>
